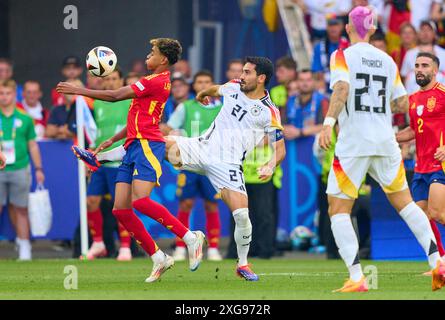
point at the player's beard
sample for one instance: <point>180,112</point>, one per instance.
<point>246,89</point>
<point>423,82</point>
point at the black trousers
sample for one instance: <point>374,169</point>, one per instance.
<point>264,217</point>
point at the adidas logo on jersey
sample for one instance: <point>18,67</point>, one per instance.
<point>234,96</point>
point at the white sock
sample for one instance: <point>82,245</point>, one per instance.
<point>158,256</point>
<point>116,154</point>
<point>189,238</point>
<point>419,224</point>
<point>24,249</point>
<point>243,234</point>
<point>347,244</point>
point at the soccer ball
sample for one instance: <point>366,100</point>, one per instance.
<point>101,61</point>
<point>301,238</point>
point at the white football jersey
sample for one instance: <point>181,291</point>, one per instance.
<point>241,124</point>
<point>366,121</point>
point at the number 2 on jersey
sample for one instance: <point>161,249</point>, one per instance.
<point>420,125</point>
<point>360,91</point>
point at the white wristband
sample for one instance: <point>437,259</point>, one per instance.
<point>329,121</point>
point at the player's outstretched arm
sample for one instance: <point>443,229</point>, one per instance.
<point>266,171</point>
<point>405,135</point>
<point>337,103</point>
<point>203,95</point>
<point>104,95</point>
<point>400,105</point>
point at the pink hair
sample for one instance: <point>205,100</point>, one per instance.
<point>363,19</point>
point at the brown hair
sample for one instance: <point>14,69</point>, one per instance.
<point>286,62</point>
<point>170,48</point>
<point>9,84</point>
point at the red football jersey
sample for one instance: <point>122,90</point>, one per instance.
<point>146,109</point>
<point>427,119</point>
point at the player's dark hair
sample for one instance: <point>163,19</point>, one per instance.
<point>286,62</point>
<point>7,61</point>
<point>304,71</point>
<point>429,55</point>
<point>202,73</point>
<point>170,48</point>
<point>119,72</point>
<point>233,61</point>
<point>378,36</point>
<point>262,66</point>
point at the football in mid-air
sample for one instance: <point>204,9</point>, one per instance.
<point>101,61</point>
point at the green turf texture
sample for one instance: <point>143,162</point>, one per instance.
<point>279,279</point>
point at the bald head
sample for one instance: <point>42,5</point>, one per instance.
<point>362,20</point>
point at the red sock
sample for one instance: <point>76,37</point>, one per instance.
<point>136,228</point>
<point>184,218</point>
<point>124,236</point>
<point>438,237</point>
<point>213,228</point>
<point>158,212</point>
<point>95,222</point>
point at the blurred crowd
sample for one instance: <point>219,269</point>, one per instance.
<point>404,29</point>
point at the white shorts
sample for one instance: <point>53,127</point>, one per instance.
<point>195,157</point>
<point>347,174</point>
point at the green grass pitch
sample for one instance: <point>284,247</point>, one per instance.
<point>279,279</point>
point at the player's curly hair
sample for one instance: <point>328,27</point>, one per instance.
<point>170,48</point>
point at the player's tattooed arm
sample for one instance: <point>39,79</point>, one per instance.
<point>400,105</point>
<point>203,95</point>
<point>104,95</point>
<point>336,105</point>
<point>338,99</point>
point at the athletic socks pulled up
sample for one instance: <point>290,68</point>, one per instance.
<point>347,244</point>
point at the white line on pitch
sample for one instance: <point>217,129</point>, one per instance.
<point>300,274</point>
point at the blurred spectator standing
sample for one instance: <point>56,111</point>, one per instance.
<point>132,77</point>
<point>138,66</point>
<point>285,71</point>
<point>180,93</point>
<point>62,119</point>
<point>318,11</point>
<point>378,40</point>
<point>71,70</point>
<point>408,38</point>
<point>7,73</point>
<point>17,138</point>
<point>427,39</point>
<point>324,48</point>
<point>183,67</point>
<point>93,82</point>
<point>304,112</point>
<point>234,69</point>
<point>423,10</point>
<point>396,13</point>
<point>32,106</point>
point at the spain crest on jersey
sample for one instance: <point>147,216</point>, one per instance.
<point>420,110</point>
<point>431,103</point>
